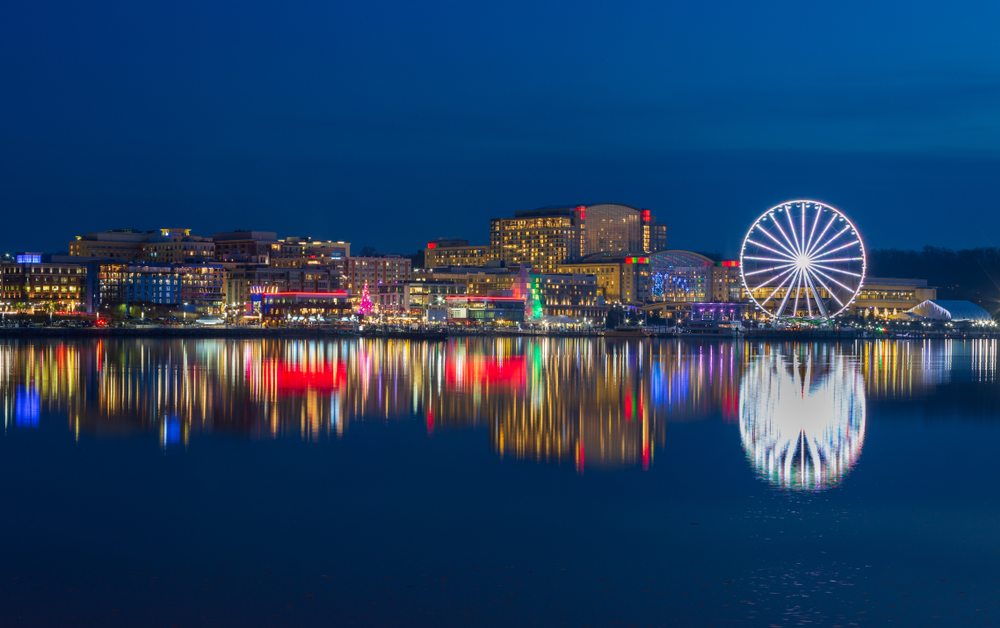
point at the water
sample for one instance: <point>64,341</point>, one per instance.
<point>505,482</point>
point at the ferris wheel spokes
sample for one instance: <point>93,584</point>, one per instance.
<point>806,270</point>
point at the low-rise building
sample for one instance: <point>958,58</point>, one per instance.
<point>276,307</point>
<point>485,310</point>
<point>416,296</point>
<point>625,279</point>
<point>29,281</point>
<point>242,278</point>
<point>194,287</point>
<point>891,294</point>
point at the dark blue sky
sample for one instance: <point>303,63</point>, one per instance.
<point>392,123</point>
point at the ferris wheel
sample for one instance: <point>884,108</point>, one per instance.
<point>803,260</point>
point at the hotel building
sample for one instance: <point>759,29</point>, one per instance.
<point>550,236</point>
<point>450,252</point>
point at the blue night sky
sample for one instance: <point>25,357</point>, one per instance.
<point>393,123</point>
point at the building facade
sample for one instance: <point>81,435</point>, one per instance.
<point>35,283</point>
<point>242,278</point>
<point>891,294</point>
<point>686,277</point>
<point>417,296</point>
<point>198,288</point>
<point>550,236</point>
<point>621,279</point>
<point>246,246</point>
<point>279,307</point>
<point>359,271</point>
<point>450,252</point>
<point>306,247</point>
<point>485,310</point>
<point>575,295</point>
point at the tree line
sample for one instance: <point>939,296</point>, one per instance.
<point>967,274</point>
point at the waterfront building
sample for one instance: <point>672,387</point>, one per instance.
<point>485,310</point>
<point>416,296</point>
<point>453,252</point>
<point>274,307</point>
<point>373,271</point>
<point>242,278</point>
<point>197,288</point>
<point>891,294</point>
<point>621,279</point>
<point>31,281</point>
<point>686,277</point>
<point>947,311</point>
<point>575,295</point>
<point>549,236</point>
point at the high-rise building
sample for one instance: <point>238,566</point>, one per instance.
<point>550,236</point>
<point>543,237</point>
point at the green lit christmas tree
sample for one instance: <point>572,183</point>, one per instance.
<point>365,307</point>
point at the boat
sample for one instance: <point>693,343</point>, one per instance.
<point>628,331</point>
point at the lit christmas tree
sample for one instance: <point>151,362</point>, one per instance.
<point>365,307</point>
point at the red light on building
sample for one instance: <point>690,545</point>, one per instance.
<point>432,245</point>
<point>646,215</point>
<point>636,260</point>
<point>583,211</point>
<point>730,264</point>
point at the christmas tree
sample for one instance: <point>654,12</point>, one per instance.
<point>365,307</point>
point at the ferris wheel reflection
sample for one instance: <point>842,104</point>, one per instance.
<point>802,418</point>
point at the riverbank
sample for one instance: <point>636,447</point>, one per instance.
<point>430,335</point>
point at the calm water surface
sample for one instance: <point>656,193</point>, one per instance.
<point>499,482</point>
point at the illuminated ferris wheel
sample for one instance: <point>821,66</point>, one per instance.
<point>803,260</point>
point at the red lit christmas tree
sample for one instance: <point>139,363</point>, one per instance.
<point>365,307</point>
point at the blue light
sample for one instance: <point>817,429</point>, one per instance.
<point>27,407</point>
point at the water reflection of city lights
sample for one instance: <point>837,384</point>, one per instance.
<point>577,402</point>
<point>802,417</point>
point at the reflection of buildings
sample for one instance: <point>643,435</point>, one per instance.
<point>571,401</point>
<point>561,400</point>
<point>802,416</point>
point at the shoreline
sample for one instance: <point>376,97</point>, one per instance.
<point>254,332</point>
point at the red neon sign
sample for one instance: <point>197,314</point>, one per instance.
<point>432,245</point>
